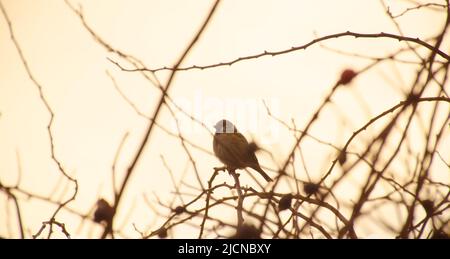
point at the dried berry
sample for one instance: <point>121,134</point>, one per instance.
<point>342,158</point>
<point>247,231</point>
<point>104,212</point>
<point>310,188</point>
<point>428,206</point>
<point>285,202</point>
<point>412,98</point>
<point>179,209</point>
<point>162,233</point>
<point>439,234</point>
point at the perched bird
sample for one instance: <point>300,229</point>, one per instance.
<point>232,149</point>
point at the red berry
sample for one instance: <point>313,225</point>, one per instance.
<point>347,76</point>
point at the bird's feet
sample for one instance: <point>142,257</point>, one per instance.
<point>232,172</point>
<point>221,168</point>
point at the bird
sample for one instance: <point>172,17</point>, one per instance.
<point>233,149</point>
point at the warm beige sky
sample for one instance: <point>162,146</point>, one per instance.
<point>91,117</point>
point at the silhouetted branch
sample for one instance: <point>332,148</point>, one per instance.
<point>50,111</point>
<point>292,49</point>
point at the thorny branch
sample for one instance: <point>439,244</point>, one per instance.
<point>49,125</point>
<point>296,48</point>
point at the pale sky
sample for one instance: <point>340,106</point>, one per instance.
<point>91,117</point>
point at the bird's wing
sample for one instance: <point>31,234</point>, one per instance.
<point>232,148</point>
<point>247,155</point>
<point>240,140</point>
<point>238,146</point>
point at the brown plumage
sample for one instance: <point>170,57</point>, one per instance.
<point>232,149</point>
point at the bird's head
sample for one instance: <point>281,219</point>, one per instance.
<point>225,126</point>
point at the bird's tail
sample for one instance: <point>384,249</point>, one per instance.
<point>260,171</point>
